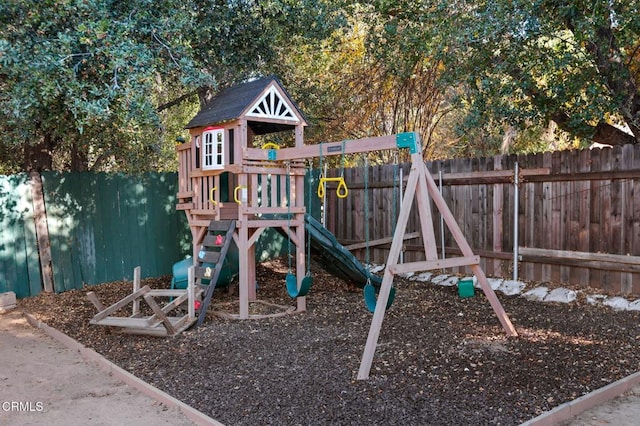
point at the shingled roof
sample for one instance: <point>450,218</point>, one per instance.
<point>230,104</point>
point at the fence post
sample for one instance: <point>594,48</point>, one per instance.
<point>516,196</point>
<point>442,247</point>
<point>42,232</point>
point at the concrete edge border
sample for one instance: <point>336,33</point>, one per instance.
<point>569,410</point>
<point>123,375</point>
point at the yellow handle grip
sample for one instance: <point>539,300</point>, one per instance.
<point>341,191</point>
<point>270,145</point>
<point>235,193</point>
<point>211,191</point>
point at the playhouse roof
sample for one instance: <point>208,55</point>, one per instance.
<point>257,98</point>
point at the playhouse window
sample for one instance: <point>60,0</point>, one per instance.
<point>213,149</point>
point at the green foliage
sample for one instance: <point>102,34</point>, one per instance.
<point>85,75</point>
<point>522,63</point>
<point>84,82</point>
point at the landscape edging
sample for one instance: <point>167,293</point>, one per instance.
<point>121,374</point>
<point>569,410</point>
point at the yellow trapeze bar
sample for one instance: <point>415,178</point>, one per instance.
<point>341,191</point>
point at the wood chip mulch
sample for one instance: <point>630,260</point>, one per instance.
<point>440,359</point>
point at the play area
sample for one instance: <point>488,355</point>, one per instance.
<point>269,191</point>
<point>439,356</point>
<point>318,334</point>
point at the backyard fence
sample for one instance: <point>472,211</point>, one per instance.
<point>578,220</point>
<point>578,214</point>
<point>61,231</point>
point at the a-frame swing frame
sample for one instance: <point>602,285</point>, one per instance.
<point>422,187</point>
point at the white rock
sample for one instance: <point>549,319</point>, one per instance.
<point>450,282</point>
<point>538,293</point>
<point>634,306</point>
<point>617,303</point>
<point>596,299</point>
<point>495,283</point>
<point>562,295</point>
<point>422,277</point>
<point>377,268</point>
<point>511,287</point>
<point>438,279</point>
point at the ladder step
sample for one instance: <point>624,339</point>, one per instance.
<point>205,272</point>
<point>213,240</point>
<point>220,225</point>
<point>209,256</point>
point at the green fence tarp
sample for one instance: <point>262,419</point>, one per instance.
<point>19,260</point>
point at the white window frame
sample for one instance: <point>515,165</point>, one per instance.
<point>212,153</point>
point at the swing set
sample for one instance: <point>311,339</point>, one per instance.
<point>220,160</point>
<point>422,189</point>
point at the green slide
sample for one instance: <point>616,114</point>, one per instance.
<point>325,249</point>
<point>334,258</point>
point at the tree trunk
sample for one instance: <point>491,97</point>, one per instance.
<point>611,135</point>
<point>79,159</point>
<point>38,157</point>
<point>602,133</point>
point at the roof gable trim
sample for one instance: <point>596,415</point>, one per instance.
<point>272,105</point>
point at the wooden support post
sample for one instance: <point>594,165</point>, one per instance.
<point>298,201</point>
<point>42,232</point>
<point>191,286</point>
<point>422,186</point>
<point>95,301</point>
<point>243,272</point>
<point>136,287</point>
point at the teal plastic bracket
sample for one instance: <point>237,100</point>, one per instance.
<point>408,140</point>
<point>272,155</point>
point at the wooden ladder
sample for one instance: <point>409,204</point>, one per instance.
<point>213,250</point>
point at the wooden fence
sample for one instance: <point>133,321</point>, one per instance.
<point>578,217</point>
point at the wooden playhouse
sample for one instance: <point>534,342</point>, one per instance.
<point>219,181</point>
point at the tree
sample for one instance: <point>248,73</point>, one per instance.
<point>522,64</point>
<point>89,85</point>
<point>573,62</point>
<point>79,80</point>
<point>358,85</point>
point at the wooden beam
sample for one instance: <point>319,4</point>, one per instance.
<point>579,255</point>
<point>159,314</point>
<point>326,149</point>
<point>121,303</point>
<point>490,176</point>
<point>136,287</point>
<point>96,302</point>
<point>429,265</point>
<point>380,241</point>
<point>600,175</point>
<point>599,261</point>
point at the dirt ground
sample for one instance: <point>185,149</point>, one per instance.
<point>43,382</point>
<point>440,359</point>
